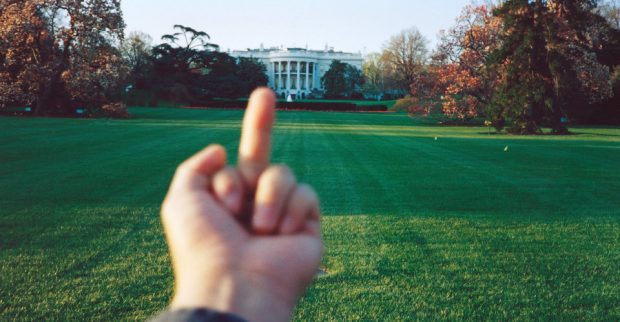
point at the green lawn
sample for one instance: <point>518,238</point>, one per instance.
<point>415,227</point>
<point>389,103</point>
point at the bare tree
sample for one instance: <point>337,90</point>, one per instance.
<point>610,9</point>
<point>379,76</point>
<point>136,48</point>
<point>406,54</point>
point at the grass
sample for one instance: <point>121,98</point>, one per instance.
<point>388,103</point>
<point>415,228</point>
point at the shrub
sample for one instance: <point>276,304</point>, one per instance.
<point>303,106</point>
<point>116,110</point>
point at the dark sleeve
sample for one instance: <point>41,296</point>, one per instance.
<point>196,315</point>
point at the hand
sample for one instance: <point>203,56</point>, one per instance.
<point>242,240</point>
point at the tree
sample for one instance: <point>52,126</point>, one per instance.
<point>379,78</point>
<point>179,63</point>
<point>251,74</point>
<point>189,39</point>
<point>549,49</point>
<point>610,10</point>
<point>406,54</point>
<point>95,66</point>
<point>28,55</point>
<point>525,91</point>
<point>136,50</point>
<point>464,83</point>
<point>341,80</point>
<point>354,80</point>
<point>61,54</point>
<point>190,69</point>
<point>220,73</point>
<point>372,69</point>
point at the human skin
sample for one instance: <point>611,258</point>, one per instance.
<point>244,240</point>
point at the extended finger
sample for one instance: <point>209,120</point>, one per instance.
<point>302,210</point>
<point>228,189</point>
<point>195,171</point>
<point>255,145</point>
<point>274,188</point>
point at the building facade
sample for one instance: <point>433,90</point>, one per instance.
<point>297,71</point>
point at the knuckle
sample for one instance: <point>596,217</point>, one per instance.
<point>181,169</point>
<point>308,192</point>
<point>281,171</point>
<point>224,182</point>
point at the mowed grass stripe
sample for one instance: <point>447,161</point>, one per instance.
<point>79,168</point>
<point>414,228</point>
<point>404,268</point>
<point>478,167</point>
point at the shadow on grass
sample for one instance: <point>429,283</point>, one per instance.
<point>596,134</point>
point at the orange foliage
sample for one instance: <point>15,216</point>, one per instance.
<point>63,47</point>
<point>464,83</point>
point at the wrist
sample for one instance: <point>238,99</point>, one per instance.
<point>241,296</point>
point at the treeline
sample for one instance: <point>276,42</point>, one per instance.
<point>186,69</point>
<point>61,57</point>
<point>522,65</point>
<point>58,56</point>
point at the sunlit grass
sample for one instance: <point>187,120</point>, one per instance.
<point>415,228</point>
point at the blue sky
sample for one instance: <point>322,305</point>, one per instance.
<point>347,25</point>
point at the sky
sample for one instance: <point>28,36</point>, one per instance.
<point>347,25</point>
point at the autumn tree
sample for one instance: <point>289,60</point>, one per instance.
<point>28,56</point>
<point>95,65</point>
<point>61,54</point>
<point>591,48</point>
<point>464,83</point>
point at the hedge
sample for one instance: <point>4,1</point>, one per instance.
<point>300,106</point>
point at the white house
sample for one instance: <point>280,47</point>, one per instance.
<point>297,71</point>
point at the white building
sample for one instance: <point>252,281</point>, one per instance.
<point>298,71</point>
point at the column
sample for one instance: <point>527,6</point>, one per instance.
<point>272,79</point>
<point>298,76</point>
<point>307,76</point>
<point>317,77</point>
<point>288,75</point>
<point>279,75</point>
<point>314,76</point>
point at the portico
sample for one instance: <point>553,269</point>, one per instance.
<point>297,71</point>
<point>295,77</point>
